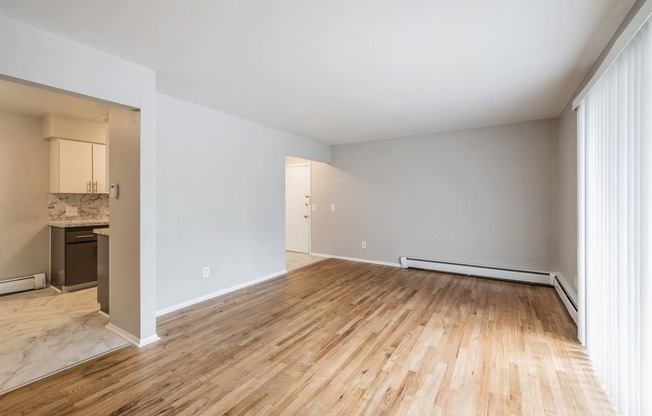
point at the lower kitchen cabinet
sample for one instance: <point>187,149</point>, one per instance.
<point>73,257</point>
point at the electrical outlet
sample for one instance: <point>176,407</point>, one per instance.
<point>364,244</point>
<point>314,207</point>
<point>332,207</point>
<point>72,211</point>
<point>206,272</point>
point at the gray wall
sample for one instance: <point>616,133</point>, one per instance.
<point>483,195</point>
<point>24,187</point>
<point>220,199</point>
<point>567,202</point>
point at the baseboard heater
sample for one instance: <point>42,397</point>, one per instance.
<point>566,298</point>
<point>527,276</point>
<point>21,284</point>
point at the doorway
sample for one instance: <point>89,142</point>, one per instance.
<point>47,331</point>
<point>297,207</point>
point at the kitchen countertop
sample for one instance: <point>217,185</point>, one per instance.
<point>78,223</point>
<point>101,231</point>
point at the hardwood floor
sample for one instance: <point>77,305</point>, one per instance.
<point>340,337</point>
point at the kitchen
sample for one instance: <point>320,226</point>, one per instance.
<point>54,213</point>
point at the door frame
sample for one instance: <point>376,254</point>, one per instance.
<point>296,165</point>
<point>137,323</point>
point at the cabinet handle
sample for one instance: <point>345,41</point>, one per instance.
<point>88,187</point>
<point>85,236</point>
<point>95,187</point>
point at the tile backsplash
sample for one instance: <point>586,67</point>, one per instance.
<point>89,206</point>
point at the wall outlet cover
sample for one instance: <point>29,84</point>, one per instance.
<point>206,272</point>
<point>72,211</point>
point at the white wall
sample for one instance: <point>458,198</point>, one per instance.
<point>483,195</point>
<point>124,141</point>
<point>40,57</point>
<point>567,204</point>
<point>220,199</point>
<point>24,187</point>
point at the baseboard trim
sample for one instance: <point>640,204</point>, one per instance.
<point>103,314</point>
<point>221,292</point>
<point>359,260</point>
<point>565,297</point>
<point>139,342</point>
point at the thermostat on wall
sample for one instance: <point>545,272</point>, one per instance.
<point>114,190</point>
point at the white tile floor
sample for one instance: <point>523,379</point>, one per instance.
<point>43,332</point>
<point>294,260</point>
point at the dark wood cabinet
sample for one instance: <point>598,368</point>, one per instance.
<point>103,272</point>
<point>73,257</point>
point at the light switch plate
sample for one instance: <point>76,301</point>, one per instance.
<point>314,207</point>
<point>332,207</point>
<point>114,190</point>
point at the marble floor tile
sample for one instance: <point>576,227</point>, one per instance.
<point>294,260</point>
<point>43,332</point>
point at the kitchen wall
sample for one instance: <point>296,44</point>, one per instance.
<point>220,199</point>
<point>126,234</point>
<point>567,202</point>
<point>24,186</point>
<point>89,207</point>
<point>483,196</point>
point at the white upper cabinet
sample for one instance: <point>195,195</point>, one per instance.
<point>77,167</point>
<point>99,169</point>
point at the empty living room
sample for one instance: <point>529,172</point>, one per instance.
<point>327,208</point>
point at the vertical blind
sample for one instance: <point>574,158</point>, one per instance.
<point>615,226</point>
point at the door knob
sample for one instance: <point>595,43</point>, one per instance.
<point>305,216</point>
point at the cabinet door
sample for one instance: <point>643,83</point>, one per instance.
<point>75,166</point>
<point>99,168</point>
<point>81,263</point>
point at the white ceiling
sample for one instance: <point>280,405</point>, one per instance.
<point>39,102</point>
<point>341,71</point>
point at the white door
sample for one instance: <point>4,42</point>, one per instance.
<point>297,208</point>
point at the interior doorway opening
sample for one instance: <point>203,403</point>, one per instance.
<point>300,207</point>
<point>38,127</point>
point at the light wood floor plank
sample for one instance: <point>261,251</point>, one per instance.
<point>347,338</point>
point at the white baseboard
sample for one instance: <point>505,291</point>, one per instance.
<point>221,292</point>
<point>150,339</point>
<point>103,314</point>
<point>332,256</point>
<point>139,342</point>
<point>566,297</point>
